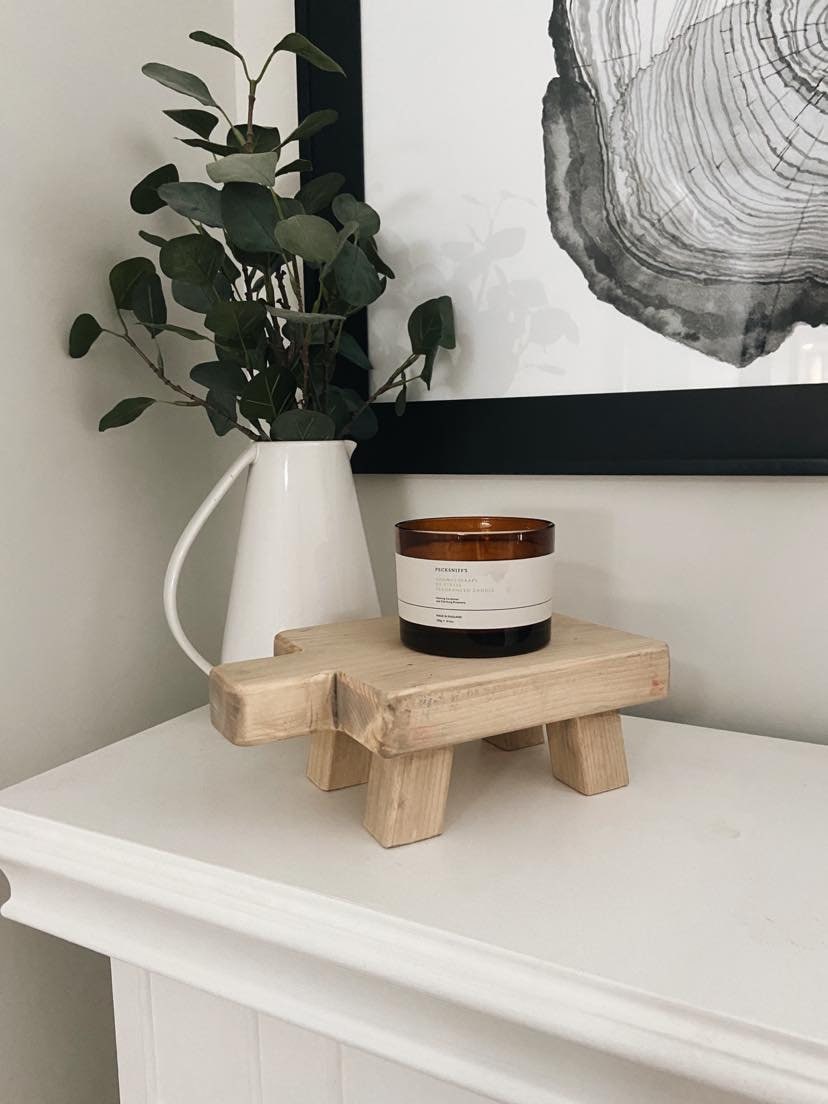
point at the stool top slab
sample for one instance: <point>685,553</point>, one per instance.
<point>357,677</point>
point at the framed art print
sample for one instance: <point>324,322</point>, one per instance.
<point>627,202</point>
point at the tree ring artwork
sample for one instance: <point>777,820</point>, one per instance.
<point>620,196</point>
<point>686,155</point>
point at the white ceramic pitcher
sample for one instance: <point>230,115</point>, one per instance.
<point>301,559</point>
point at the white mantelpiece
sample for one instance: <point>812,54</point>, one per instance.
<point>665,942</point>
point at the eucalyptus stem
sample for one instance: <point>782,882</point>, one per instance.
<point>158,370</point>
<point>251,103</point>
<point>393,381</point>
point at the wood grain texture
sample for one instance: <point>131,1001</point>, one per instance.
<point>335,761</point>
<point>359,678</point>
<point>587,753</point>
<point>407,795</point>
<point>515,741</point>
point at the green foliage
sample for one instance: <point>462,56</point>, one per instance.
<point>125,276</point>
<point>179,81</point>
<point>193,258</point>
<point>249,216</point>
<point>182,331</point>
<point>318,193</point>
<point>351,350</point>
<point>297,44</point>
<point>83,335</point>
<point>277,338</point>
<point>265,139</point>
<point>218,43</point>
<point>431,325</point>
<point>202,123</point>
<point>148,305</point>
<point>312,125</point>
<point>245,168</point>
<point>303,425</point>
<point>221,410</point>
<point>349,209</point>
<point>220,375</point>
<point>197,202</point>
<point>153,239</point>
<point>235,321</point>
<point>144,199</point>
<point>356,278</point>
<point>124,412</point>
<point>309,237</point>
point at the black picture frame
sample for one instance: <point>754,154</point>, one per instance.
<point>778,430</point>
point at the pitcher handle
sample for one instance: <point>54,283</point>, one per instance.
<point>185,542</point>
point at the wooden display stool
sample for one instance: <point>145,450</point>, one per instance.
<point>380,713</point>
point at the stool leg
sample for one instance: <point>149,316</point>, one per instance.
<point>406,798</point>
<point>335,761</point>
<point>514,741</point>
<point>587,753</point>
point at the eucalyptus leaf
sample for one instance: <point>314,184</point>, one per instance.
<point>260,261</point>
<point>431,325</point>
<point>336,406</point>
<point>84,333</point>
<point>449,337</point>
<point>153,239</point>
<point>196,201</point>
<point>428,367</point>
<point>400,401</point>
<point>266,396</point>
<point>236,321</point>
<point>342,403</point>
<point>202,123</point>
<point>207,39</point>
<point>314,333</point>
<point>193,258</point>
<point>230,273</point>
<point>208,147</point>
<point>125,276</point>
<point>245,168</point>
<point>192,296</point>
<point>265,139</point>
<point>249,216</point>
<point>312,124</point>
<point>220,375</point>
<point>287,208</point>
<point>369,248</point>
<point>309,237</point>
<point>124,412</point>
<point>364,425</point>
<point>300,165</point>
<point>221,410</point>
<point>147,303</point>
<point>356,279</point>
<point>144,198</point>
<point>182,331</point>
<point>349,209</point>
<point>317,194</point>
<point>351,350</point>
<point>305,317</point>
<point>303,425</point>
<point>297,44</point>
<point>179,81</point>
<point>349,230</point>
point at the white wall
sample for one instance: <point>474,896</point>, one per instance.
<point>731,572</point>
<point>88,519</point>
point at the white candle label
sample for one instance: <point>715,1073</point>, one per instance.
<point>479,594</point>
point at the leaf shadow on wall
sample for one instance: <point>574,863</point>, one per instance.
<point>499,310</point>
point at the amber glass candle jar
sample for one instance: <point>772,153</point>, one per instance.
<point>475,586</point>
